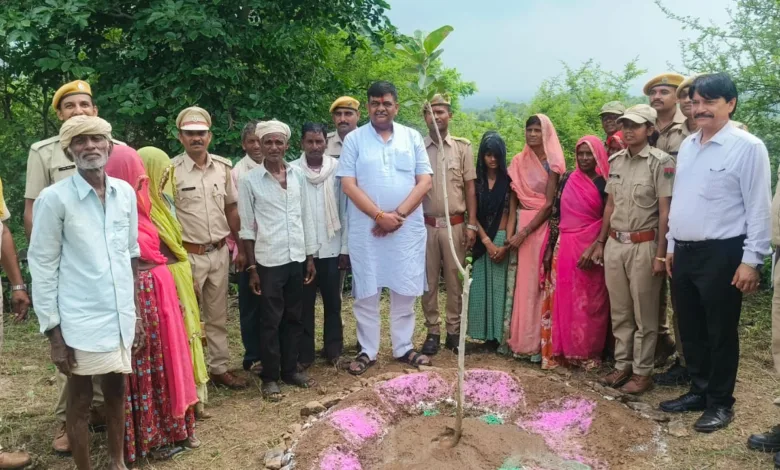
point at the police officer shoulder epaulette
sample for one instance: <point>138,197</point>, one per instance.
<point>617,154</point>
<point>462,140</point>
<point>43,143</point>
<point>223,160</point>
<point>660,155</point>
<point>331,134</point>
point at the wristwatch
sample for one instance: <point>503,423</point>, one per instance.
<point>472,227</point>
<point>17,287</point>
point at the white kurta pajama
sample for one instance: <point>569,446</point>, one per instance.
<point>386,172</point>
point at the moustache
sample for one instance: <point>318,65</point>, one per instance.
<point>343,123</point>
<point>703,115</point>
<point>657,102</point>
<point>197,143</point>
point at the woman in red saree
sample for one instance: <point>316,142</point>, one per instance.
<point>581,302</point>
<point>534,173</point>
<point>161,391</point>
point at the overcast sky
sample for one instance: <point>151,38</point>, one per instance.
<point>509,46</point>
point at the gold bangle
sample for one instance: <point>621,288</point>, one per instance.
<point>251,268</point>
<point>658,258</point>
<point>379,215</point>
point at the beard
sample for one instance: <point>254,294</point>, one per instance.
<point>91,165</point>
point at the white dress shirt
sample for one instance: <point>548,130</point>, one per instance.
<point>722,190</point>
<point>79,255</point>
<point>277,219</point>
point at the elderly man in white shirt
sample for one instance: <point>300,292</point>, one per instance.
<point>84,285</point>
<point>385,172</point>
<point>327,204</point>
<point>278,233</point>
<point>719,234</point>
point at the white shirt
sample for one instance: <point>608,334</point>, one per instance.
<point>722,190</point>
<point>386,172</point>
<point>79,255</point>
<point>315,196</point>
<point>284,226</point>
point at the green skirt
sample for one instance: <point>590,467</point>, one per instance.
<point>487,296</point>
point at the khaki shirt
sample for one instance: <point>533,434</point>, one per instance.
<point>334,145</point>
<point>201,197</point>
<point>636,183</point>
<point>46,165</point>
<point>673,134</point>
<point>460,166</point>
<point>776,215</point>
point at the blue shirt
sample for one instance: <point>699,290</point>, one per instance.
<point>387,172</point>
<point>79,256</point>
<point>722,190</point>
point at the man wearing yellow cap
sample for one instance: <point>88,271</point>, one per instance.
<point>661,91</point>
<point>462,198</point>
<point>345,112</point>
<point>206,206</point>
<point>632,245</point>
<point>46,165</point>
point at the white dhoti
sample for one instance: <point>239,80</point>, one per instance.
<point>99,363</point>
<point>402,323</point>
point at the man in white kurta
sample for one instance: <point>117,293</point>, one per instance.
<point>385,172</point>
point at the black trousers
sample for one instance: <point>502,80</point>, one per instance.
<point>709,308</point>
<point>280,319</point>
<point>248,305</point>
<point>328,283</point>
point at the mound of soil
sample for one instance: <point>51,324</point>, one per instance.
<point>530,422</point>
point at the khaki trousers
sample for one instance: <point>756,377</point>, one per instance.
<point>663,322</point>
<point>634,296</point>
<point>62,403</point>
<point>438,255</point>
<point>776,319</point>
<point>210,272</point>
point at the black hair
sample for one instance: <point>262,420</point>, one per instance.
<point>315,127</point>
<point>713,86</point>
<point>381,88</point>
<point>491,143</point>
<point>249,129</point>
<point>534,119</point>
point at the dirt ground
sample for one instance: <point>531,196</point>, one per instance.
<point>243,426</point>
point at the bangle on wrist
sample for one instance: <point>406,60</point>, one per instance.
<point>379,215</point>
<point>601,242</point>
<point>17,287</point>
<point>486,240</point>
<point>251,268</point>
<point>658,258</point>
<point>472,227</point>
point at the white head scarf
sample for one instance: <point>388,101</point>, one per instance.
<point>272,127</point>
<point>80,125</point>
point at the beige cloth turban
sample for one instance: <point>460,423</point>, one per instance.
<point>83,125</point>
<point>272,127</point>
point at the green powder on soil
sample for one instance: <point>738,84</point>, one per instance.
<point>492,419</point>
<point>431,412</point>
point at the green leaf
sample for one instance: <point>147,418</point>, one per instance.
<point>161,119</point>
<point>435,55</point>
<point>434,40</point>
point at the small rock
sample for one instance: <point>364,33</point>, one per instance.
<point>288,467</point>
<point>295,429</point>
<point>355,389</point>
<point>428,368</point>
<point>387,376</point>
<point>306,425</point>
<point>331,401</point>
<point>312,408</point>
<point>286,459</point>
<point>30,368</point>
<point>614,393</point>
<point>364,382</point>
<point>371,381</point>
<point>322,390</point>
<point>656,416</point>
<point>628,398</point>
<point>639,406</point>
<point>411,371</point>
<point>273,458</point>
<point>677,428</point>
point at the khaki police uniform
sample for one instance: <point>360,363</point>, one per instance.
<point>776,279</point>
<point>635,183</point>
<point>671,137</point>
<point>200,199</point>
<point>334,145</point>
<point>4,216</point>
<point>459,168</point>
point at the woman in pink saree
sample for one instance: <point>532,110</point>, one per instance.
<point>161,390</point>
<point>534,173</point>
<point>581,302</point>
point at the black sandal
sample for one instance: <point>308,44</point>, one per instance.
<point>363,364</point>
<point>414,359</point>
<point>271,391</point>
<point>298,379</point>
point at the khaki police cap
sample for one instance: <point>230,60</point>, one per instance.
<point>347,102</point>
<point>78,87</point>
<point>666,79</point>
<point>193,119</point>
<point>640,114</point>
<point>441,100</point>
<point>685,84</point>
<point>613,107</point>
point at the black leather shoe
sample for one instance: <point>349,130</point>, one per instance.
<point>777,460</point>
<point>765,442</point>
<point>452,342</point>
<point>676,375</point>
<point>431,345</point>
<point>685,403</point>
<point>713,419</point>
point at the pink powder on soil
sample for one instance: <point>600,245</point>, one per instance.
<point>560,422</point>
<point>335,459</point>
<point>357,424</point>
<point>411,389</point>
<point>492,389</point>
